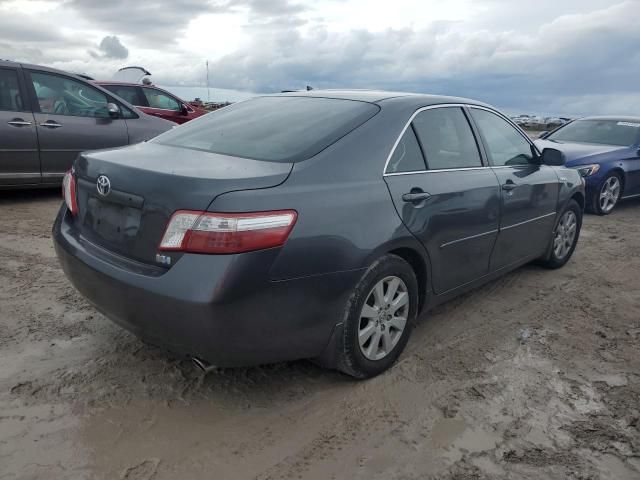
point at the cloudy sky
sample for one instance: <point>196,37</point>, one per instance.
<point>555,56</point>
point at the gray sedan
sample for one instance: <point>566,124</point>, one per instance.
<point>311,225</point>
<point>47,117</point>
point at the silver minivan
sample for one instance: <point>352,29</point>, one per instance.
<point>47,117</point>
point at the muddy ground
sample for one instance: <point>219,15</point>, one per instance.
<point>536,376</point>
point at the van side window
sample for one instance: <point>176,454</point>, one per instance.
<point>61,95</point>
<point>10,98</point>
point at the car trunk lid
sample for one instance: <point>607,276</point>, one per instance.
<point>126,196</point>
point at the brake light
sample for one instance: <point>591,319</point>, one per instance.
<point>69,192</point>
<point>205,232</point>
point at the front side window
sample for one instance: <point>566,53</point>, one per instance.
<point>407,157</point>
<point>447,139</point>
<point>620,133</point>
<point>61,95</point>
<point>278,129</point>
<point>10,98</point>
<point>505,145</point>
<point>157,99</point>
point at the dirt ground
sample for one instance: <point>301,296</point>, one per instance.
<point>535,376</point>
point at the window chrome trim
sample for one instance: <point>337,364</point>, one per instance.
<point>432,107</point>
<point>453,242</point>
<point>527,221</point>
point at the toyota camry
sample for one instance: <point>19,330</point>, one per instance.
<point>311,225</point>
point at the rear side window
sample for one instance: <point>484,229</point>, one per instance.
<point>128,94</point>
<point>447,139</point>
<point>279,129</point>
<point>505,145</point>
<point>407,157</point>
<point>10,99</point>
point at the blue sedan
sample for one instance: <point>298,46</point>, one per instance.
<point>606,151</point>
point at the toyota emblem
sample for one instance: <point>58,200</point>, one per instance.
<point>103,185</point>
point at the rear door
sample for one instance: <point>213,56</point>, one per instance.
<point>19,160</point>
<point>71,116</point>
<point>529,190</point>
<point>447,197</point>
<point>163,105</point>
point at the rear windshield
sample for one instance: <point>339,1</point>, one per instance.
<point>605,132</point>
<point>277,129</point>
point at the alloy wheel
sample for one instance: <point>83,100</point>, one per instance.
<point>609,194</point>
<point>383,318</point>
<point>565,234</point>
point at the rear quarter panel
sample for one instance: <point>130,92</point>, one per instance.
<point>346,218</point>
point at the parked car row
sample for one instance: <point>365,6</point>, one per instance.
<point>47,117</point>
<point>536,122</point>
<point>313,224</point>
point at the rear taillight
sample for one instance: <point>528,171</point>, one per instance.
<point>205,232</point>
<point>69,192</point>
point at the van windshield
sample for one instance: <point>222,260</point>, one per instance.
<point>277,129</point>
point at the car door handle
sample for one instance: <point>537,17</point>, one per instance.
<point>415,197</point>
<point>50,124</point>
<point>18,122</point>
<point>509,186</point>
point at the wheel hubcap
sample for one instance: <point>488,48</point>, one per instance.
<point>609,194</point>
<point>383,318</point>
<point>565,234</point>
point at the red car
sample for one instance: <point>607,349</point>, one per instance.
<point>149,98</point>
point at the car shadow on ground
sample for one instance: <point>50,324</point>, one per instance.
<point>33,195</point>
<point>628,204</point>
<point>280,380</point>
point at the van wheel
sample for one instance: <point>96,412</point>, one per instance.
<point>378,318</point>
<point>565,236</point>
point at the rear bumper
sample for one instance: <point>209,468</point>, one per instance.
<point>221,308</point>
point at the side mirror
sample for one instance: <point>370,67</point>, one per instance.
<point>184,110</point>
<point>552,157</point>
<point>543,135</point>
<point>113,109</point>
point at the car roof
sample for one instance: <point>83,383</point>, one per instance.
<point>621,118</point>
<point>378,96</point>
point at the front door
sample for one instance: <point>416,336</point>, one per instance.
<point>529,190</point>
<point>71,117</point>
<point>445,195</point>
<point>632,167</point>
<point>163,105</point>
<point>19,161</point>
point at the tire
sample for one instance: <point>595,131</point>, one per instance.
<point>602,206</point>
<point>561,246</point>
<point>368,359</point>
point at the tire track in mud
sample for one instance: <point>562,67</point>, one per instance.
<point>532,376</point>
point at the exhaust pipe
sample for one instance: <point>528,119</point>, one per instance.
<point>203,365</point>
